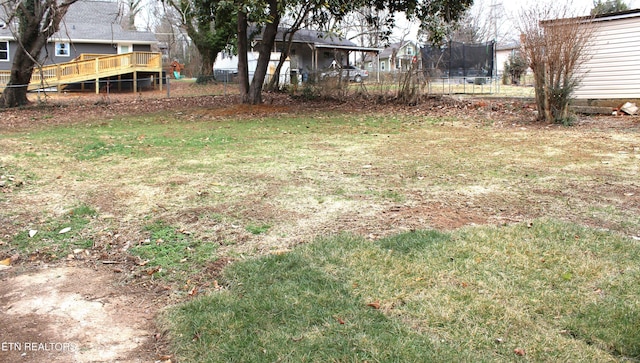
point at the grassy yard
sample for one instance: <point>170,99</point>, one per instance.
<point>550,292</point>
<point>302,234</point>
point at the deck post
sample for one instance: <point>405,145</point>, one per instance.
<point>58,73</point>
<point>135,82</point>
<point>97,76</point>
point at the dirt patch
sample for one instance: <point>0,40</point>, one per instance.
<point>74,313</point>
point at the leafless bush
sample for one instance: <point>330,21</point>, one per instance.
<point>554,44</point>
<point>411,86</point>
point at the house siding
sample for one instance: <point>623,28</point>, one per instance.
<point>612,67</point>
<point>75,49</point>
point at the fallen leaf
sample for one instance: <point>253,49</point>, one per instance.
<point>151,271</point>
<point>193,292</point>
<point>375,304</point>
<point>340,321</point>
<point>215,285</point>
<point>6,262</point>
<point>64,230</point>
<point>519,352</point>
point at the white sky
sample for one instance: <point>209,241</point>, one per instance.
<point>506,12</point>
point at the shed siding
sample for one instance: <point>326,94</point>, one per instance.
<point>613,67</point>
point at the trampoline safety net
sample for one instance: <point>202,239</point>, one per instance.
<point>456,59</point>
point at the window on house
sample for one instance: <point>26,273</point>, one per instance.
<point>62,49</point>
<point>409,50</point>
<point>124,48</point>
<point>370,65</point>
<point>4,51</point>
<point>382,66</point>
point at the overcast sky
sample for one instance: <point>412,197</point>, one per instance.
<point>506,12</point>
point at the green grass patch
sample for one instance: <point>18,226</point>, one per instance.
<point>48,240</point>
<point>97,149</point>
<point>258,229</point>
<point>177,254</point>
<point>555,291</point>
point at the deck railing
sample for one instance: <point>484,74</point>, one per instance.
<point>90,67</point>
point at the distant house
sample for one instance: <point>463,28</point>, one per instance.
<point>397,57</point>
<point>503,52</point>
<point>89,27</point>
<point>311,52</point>
<point>612,66</point>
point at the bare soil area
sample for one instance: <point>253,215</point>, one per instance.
<point>87,309</point>
<point>72,312</point>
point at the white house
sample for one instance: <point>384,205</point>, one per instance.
<point>612,66</point>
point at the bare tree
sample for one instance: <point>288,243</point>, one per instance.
<point>554,44</point>
<point>32,22</point>
<point>131,8</point>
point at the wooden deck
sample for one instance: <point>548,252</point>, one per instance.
<point>92,68</point>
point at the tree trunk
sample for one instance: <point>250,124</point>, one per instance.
<point>209,56</point>
<point>15,95</point>
<point>274,82</point>
<point>264,55</point>
<point>32,16</point>
<point>243,64</point>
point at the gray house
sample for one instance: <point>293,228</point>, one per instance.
<point>89,27</point>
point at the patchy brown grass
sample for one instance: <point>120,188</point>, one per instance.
<point>211,168</point>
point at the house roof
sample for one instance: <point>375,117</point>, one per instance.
<point>95,22</point>
<point>508,46</point>
<point>388,51</point>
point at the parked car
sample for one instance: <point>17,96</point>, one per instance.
<point>349,73</point>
